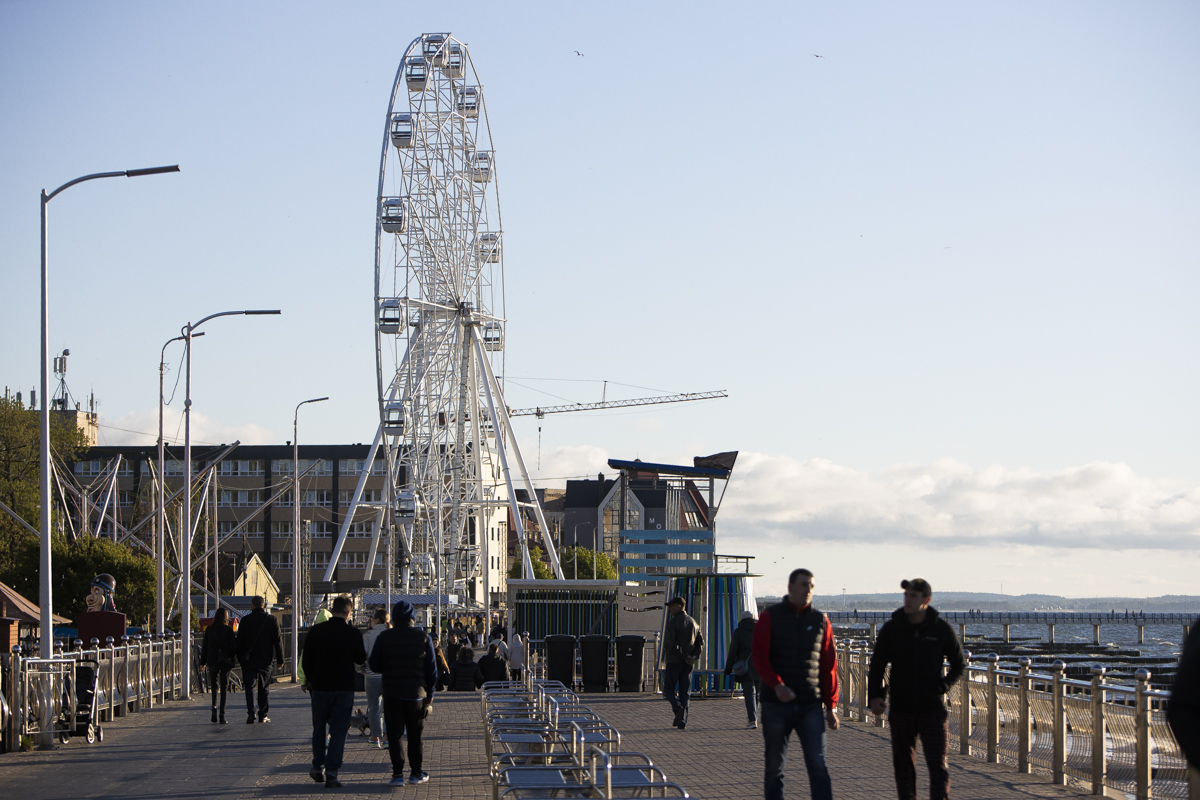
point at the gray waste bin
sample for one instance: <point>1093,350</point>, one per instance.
<point>593,660</point>
<point>629,663</point>
<point>560,659</point>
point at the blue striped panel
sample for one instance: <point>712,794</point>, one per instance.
<point>668,548</point>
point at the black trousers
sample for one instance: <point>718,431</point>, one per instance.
<point>403,716</point>
<point>253,676</point>
<point>218,678</point>
<point>933,728</point>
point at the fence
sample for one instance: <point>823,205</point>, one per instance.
<point>135,674</point>
<point>1104,734</point>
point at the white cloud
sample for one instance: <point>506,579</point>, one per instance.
<point>573,461</point>
<point>947,503</point>
<point>140,428</point>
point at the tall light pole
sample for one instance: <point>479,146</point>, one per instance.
<point>45,595</point>
<point>296,582</point>
<point>160,539</point>
<point>185,535</point>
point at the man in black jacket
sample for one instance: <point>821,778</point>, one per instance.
<point>258,640</point>
<point>331,650</point>
<point>1183,710</point>
<point>404,656</point>
<point>494,666</point>
<point>916,642</point>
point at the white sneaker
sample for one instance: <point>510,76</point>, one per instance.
<point>751,725</point>
<point>420,777</point>
<point>397,780</point>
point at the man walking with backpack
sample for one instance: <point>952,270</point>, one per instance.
<point>916,642</point>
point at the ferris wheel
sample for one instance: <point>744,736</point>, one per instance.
<point>453,462</point>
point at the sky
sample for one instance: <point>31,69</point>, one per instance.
<point>942,256</point>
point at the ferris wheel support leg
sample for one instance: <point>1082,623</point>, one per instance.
<point>349,517</point>
<point>483,514</point>
<point>500,448</point>
<point>512,437</point>
<point>370,570</point>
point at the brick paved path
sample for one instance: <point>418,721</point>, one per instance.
<point>174,752</point>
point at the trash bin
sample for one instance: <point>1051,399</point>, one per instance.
<point>593,658</point>
<point>560,659</point>
<point>629,663</point>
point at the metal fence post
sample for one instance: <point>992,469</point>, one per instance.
<point>1024,724</point>
<point>112,678</point>
<point>1059,729</point>
<point>1141,770</point>
<point>993,720</point>
<point>1098,754</point>
<point>125,706</point>
<point>964,724</point>
<point>18,702</point>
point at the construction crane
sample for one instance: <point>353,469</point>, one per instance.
<point>540,412</point>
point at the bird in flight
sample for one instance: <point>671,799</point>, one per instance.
<point>579,54</point>
<point>814,55</point>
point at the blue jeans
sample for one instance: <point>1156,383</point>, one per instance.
<point>750,690</point>
<point>374,689</point>
<point>678,684</point>
<point>808,721</point>
<point>332,709</point>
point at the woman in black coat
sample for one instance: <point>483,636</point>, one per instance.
<point>741,655</point>
<point>464,674</point>
<point>217,654</point>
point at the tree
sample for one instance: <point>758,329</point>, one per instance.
<point>20,460</point>
<point>578,562</point>
<point>75,564</point>
<point>541,570</point>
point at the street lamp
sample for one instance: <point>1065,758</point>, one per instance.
<point>296,535</point>
<point>45,595</point>
<point>160,540</point>
<point>185,535</point>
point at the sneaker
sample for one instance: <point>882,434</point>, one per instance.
<point>419,777</point>
<point>751,724</point>
<point>331,782</point>
<point>250,720</point>
<point>678,723</point>
<point>317,774</point>
<point>397,780</point>
<point>383,743</point>
<point>265,719</point>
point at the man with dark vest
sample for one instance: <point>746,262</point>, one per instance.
<point>682,644</point>
<point>404,656</point>
<point>916,642</point>
<point>796,660</point>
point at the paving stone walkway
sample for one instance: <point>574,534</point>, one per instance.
<point>174,752</point>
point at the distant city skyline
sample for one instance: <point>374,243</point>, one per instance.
<point>947,271</point>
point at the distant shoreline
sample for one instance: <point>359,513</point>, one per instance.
<point>991,601</point>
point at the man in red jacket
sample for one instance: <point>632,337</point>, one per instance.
<point>796,659</point>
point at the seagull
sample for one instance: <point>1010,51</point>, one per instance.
<point>579,54</point>
<point>814,55</point>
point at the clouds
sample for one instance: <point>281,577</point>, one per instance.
<point>140,428</point>
<point>950,504</point>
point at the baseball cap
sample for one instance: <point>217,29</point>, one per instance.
<point>918,585</point>
<point>676,601</point>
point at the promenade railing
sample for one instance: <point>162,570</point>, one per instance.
<point>1095,732</point>
<point>133,674</point>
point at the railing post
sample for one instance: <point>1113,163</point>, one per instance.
<point>112,678</point>
<point>1141,769</point>
<point>964,726</point>
<point>1059,728</point>
<point>993,720</point>
<point>125,704</point>
<point>18,701</point>
<point>1024,724</point>
<point>1098,753</point>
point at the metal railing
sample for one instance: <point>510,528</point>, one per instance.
<point>132,675</point>
<point>1092,732</point>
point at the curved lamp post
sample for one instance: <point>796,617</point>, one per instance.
<point>296,582</point>
<point>188,333</point>
<point>45,595</point>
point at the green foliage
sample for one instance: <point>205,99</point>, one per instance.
<point>541,570</point>
<point>586,560</point>
<point>173,622</point>
<point>74,565</point>
<point>20,459</point>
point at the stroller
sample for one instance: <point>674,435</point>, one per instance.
<point>86,722</point>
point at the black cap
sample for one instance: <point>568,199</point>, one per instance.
<point>918,585</point>
<point>676,601</point>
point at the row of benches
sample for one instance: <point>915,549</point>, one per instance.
<point>542,742</point>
